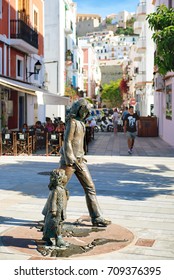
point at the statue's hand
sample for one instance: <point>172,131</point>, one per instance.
<point>53,213</point>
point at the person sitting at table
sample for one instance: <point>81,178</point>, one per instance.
<point>49,127</point>
<point>60,127</point>
<point>25,128</point>
<point>39,131</point>
<point>38,127</point>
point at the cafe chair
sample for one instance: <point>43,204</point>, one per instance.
<point>8,144</point>
<point>54,142</point>
<point>24,143</point>
<point>39,140</point>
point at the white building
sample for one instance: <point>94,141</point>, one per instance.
<point>60,37</point>
<point>164,95</point>
<point>91,69</point>
<point>144,60</point>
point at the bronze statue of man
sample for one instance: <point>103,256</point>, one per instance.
<point>72,157</point>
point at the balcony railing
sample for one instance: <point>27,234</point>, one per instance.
<point>20,30</point>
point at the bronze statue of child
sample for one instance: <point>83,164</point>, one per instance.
<point>55,209</point>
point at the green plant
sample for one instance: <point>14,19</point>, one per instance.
<point>108,20</point>
<point>162,23</point>
<point>111,92</point>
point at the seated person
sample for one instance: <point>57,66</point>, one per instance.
<point>39,128</point>
<point>25,128</point>
<point>49,127</point>
<point>60,127</point>
<point>40,135</point>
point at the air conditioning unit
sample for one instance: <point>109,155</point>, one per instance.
<point>159,83</point>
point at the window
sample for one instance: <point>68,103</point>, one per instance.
<point>36,28</point>
<point>19,67</point>
<point>169,102</point>
<point>36,75</point>
<point>136,70</point>
<point>23,10</point>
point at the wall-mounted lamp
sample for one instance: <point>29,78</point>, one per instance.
<point>37,67</point>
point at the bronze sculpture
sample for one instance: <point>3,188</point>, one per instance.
<point>55,209</point>
<point>72,158</point>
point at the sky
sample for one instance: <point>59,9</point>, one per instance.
<point>105,7</point>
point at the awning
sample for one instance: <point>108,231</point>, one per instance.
<point>43,96</point>
<point>18,86</point>
<point>48,98</point>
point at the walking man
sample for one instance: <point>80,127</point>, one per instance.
<point>130,127</point>
<point>72,158</point>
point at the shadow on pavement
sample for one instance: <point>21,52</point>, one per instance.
<point>128,182</point>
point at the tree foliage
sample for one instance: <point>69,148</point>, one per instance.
<point>162,23</point>
<point>125,31</point>
<point>111,92</point>
<point>108,20</point>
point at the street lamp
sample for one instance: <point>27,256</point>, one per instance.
<point>37,67</point>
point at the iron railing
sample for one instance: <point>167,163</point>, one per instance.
<point>20,30</point>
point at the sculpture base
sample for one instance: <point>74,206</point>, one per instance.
<point>84,240</point>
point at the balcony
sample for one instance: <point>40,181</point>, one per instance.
<point>137,27</point>
<point>140,78</point>
<point>141,45</point>
<point>68,27</point>
<point>141,11</point>
<point>138,57</point>
<point>23,37</point>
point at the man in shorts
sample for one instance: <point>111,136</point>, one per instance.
<point>130,127</point>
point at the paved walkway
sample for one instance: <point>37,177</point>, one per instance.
<point>135,192</point>
<point>108,144</point>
